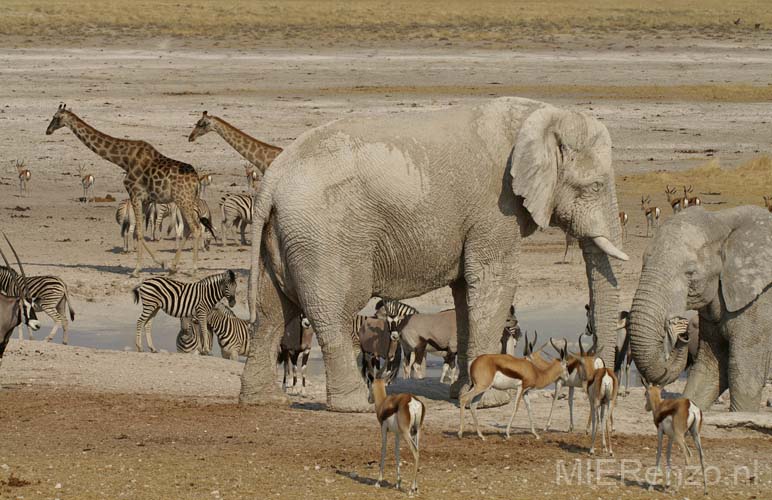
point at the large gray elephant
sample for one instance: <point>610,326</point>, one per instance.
<point>719,264</point>
<point>397,205</point>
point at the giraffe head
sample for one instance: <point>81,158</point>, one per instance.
<point>203,126</point>
<point>59,119</point>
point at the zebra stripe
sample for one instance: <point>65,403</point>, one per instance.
<point>394,312</point>
<point>155,213</point>
<point>49,292</point>
<point>181,227</point>
<point>235,209</point>
<point>179,299</point>
<point>124,216</point>
<point>356,325</point>
<point>232,332</point>
<point>187,340</point>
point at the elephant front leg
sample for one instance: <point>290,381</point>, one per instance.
<point>707,377</point>
<point>747,364</point>
<point>490,290</point>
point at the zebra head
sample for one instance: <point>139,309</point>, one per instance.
<point>395,313</point>
<point>228,287</point>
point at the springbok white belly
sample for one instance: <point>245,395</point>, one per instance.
<point>503,383</point>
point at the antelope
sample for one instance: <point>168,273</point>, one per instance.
<point>402,414</point>
<point>24,176</point>
<point>204,181</point>
<point>503,372</point>
<point>675,417</point>
<point>652,215</point>
<point>253,176</point>
<point>691,201</point>
<point>15,310</point>
<point>768,202</point>
<point>602,389</point>
<point>570,244</point>
<point>676,203</point>
<point>623,223</point>
<point>87,181</point>
<point>590,362</point>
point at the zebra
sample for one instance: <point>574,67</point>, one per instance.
<point>394,312</point>
<point>124,216</point>
<point>181,227</point>
<point>235,209</point>
<point>232,332</point>
<point>179,299</point>
<point>155,213</point>
<point>49,294</point>
<point>188,340</point>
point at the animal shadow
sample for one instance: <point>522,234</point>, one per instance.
<point>572,447</point>
<point>310,406</point>
<point>368,481</point>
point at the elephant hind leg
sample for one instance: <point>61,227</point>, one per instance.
<point>273,310</point>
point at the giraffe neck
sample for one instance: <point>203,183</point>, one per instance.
<point>112,149</point>
<point>256,152</point>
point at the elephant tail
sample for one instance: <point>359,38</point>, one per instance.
<point>262,204</point>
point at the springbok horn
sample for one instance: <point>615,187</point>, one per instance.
<point>553,345</point>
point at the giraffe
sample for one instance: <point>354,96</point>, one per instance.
<point>150,176</point>
<point>256,152</point>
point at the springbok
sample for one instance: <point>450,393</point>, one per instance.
<point>253,176</point>
<point>590,362</point>
<point>623,222</point>
<point>652,215</point>
<point>691,201</point>
<point>602,389</point>
<point>676,202</point>
<point>204,181</point>
<point>675,417</point>
<point>24,177</point>
<point>402,414</point>
<point>504,372</point>
<point>87,181</point>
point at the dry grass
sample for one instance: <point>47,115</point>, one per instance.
<point>744,185</point>
<point>331,21</point>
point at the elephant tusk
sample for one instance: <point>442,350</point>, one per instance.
<point>609,249</point>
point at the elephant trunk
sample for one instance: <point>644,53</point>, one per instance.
<point>648,317</point>
<point>602,274</point>
<point>602,259</point>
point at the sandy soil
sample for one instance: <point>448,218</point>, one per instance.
<point>122,424</point>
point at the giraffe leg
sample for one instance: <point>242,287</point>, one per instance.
<point>136,202</point>
<point>189,215</point>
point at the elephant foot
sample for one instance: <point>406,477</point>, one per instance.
<point>354,401</point>
<point>272,397</point>
<point>493,398</point>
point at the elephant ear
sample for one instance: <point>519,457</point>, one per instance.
<point>534,163</point>
<point>747,257</point>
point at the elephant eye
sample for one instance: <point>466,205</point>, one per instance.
<point>596,186</point>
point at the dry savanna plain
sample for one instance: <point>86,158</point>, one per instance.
<point>684,88</point>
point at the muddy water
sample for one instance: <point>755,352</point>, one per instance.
<point>113,327</point>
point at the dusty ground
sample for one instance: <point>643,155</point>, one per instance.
<point>682,92</point>
<point>82,423</point>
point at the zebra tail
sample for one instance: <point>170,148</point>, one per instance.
<point>135,291</point>
<point>69,303</point>
<point>124,228</point>
<point>208,225</point>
